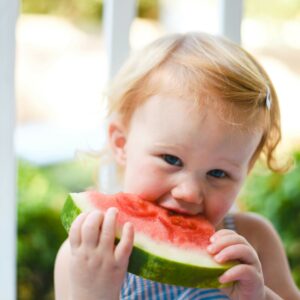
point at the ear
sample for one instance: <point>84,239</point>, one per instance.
<point>117,139</point>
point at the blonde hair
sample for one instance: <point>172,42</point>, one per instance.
<point>209,69</point>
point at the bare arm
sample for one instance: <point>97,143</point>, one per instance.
<point>61,272</point>
<point>265,240</point>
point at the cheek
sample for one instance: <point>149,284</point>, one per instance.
<point>218,212</point>
<point>220,205</point>
<point>143,180</point>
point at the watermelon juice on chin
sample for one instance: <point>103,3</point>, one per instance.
<point>168,247</point>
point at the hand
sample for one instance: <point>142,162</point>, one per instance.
<point>97,266</point>
<point>227,245</point>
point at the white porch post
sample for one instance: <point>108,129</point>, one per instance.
<point>8,17</point>
<point>118,17</point>
<point>230,16</point>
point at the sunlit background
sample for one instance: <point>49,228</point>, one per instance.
<point>61,73</point>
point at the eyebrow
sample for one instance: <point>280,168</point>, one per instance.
<point>170,145</point>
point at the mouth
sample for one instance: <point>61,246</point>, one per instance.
<point>177,211</point>
<point>180,207</point>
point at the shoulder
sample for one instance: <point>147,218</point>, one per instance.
<point>61,272</point>
<point>256,229</point>
<point>261,234</point>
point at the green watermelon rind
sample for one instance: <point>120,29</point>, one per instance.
<point>163,270</point>
<point>158,268</point>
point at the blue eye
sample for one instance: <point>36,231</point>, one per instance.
<point>217,173</point>
<point>172,160</point>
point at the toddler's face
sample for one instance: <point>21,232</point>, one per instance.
<point>183,158</point>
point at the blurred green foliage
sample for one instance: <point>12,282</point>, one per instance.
<point>41,193</point>
<point>148,9</point>
<point>78,11</point>
<point>277,197</point>
<point>82,11</point>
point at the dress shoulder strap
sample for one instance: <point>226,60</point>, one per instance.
<point>229,222</point>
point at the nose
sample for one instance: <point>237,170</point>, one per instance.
<point>189,190</point>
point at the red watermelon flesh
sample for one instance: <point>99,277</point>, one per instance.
<point>185,231</point>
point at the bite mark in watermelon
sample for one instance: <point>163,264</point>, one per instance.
<point>168,248</point>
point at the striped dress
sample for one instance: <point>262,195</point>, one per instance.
<point>138,288</point>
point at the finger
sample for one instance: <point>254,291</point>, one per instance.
<point>221,233</point>
<point>242,273</point>
<point>240,252</point>
<point>75,230</point>
<point>108,232</point>
<point>225,241</point>
<point>124,247</point>
<point>90,229</point>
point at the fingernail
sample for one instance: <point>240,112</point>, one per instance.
<point>218,258</point>
<point>222,279</point>
<point>113,210</point>
<point>129,225</point>
<point>95,212</point>
<point>210,248</point>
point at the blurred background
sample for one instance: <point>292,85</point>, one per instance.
<point>61,73</point>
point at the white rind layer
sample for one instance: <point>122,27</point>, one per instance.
<point>157,248</point>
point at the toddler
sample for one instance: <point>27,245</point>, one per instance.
<point>189,116</point>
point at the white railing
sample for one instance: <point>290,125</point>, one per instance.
<point>8,17</point>
<point>118,17</point>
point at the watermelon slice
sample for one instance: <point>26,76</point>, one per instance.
<point>168,247</point>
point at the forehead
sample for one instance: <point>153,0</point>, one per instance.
<point>168,105</point>
<point>164,111</point>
